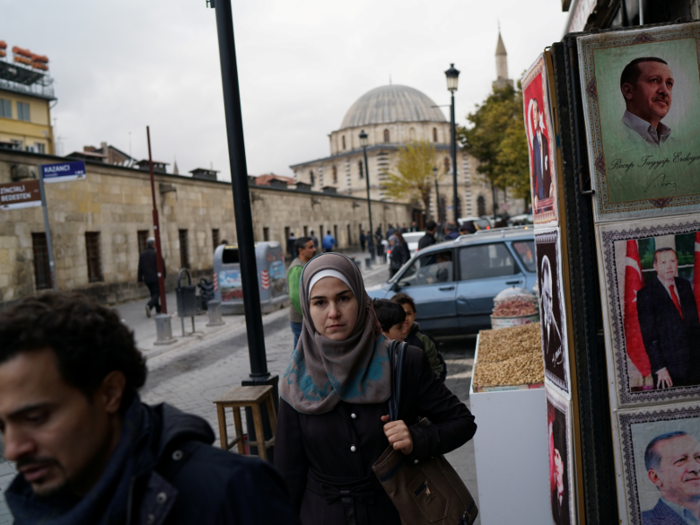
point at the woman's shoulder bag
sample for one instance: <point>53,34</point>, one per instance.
<point>426,492</point>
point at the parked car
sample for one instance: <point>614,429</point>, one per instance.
<point>454,283</point>
<point>521,220</point>
<point>481,223</point>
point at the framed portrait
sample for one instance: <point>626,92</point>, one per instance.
<point>639,91</point>
<point>541,143</point>
<point>561,488</point>
<point>552,310</point>
<point>650,283</point>
<point>659,457</point>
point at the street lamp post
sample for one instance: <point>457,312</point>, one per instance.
<point>452,80</point>
<point>363,143</point>
<point>437,196</point>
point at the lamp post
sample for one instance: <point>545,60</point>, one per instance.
<point>363,143</point>
<point>437,196</point>
<point>452,79</point>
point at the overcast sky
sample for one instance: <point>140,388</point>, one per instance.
<point>121,65</point>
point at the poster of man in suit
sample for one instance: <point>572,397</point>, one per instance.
<point>552,317</point>
<point>540,137</point>
<point>662,326</point>
<point>560,475</point>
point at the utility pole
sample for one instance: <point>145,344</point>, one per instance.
<point>156,230</point>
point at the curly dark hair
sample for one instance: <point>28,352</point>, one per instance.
<point>89,340</point>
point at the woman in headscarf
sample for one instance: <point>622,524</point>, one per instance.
<point>333,419</point>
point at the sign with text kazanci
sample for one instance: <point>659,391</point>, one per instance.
<point>63,172</point>
<point>25,194</point>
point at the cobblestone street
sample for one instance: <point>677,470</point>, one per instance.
<point>193,373</point>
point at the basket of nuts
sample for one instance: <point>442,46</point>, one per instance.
<point>509,358</point>
<point>514,307</point>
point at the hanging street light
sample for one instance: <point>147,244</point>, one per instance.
<point>452,80</point>
<point>370,244</point>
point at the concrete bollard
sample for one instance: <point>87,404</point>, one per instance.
<point>164,330</point>
<point>214,310</point>
<point>368,263</point>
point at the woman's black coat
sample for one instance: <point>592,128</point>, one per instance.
<point>317,454</point>
<point>399,255</point>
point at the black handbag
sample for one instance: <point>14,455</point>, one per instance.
<point>425,492</point>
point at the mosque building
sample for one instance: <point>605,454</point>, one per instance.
<point>392,116</point>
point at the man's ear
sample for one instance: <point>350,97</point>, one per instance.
<point>627,91</point>
<point>111,391</point>
<point>654,478</point>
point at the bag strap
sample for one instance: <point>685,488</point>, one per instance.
<point>396,356</point>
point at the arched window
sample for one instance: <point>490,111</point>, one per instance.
<point>434,134</point>
<point>386,135</point>
<point>412,133</point>
<point>480,205</point>
<point>361,167</point>
<point>447,164</point>
<point>343,141</point>
<point>335,175</point>
<point>311,177</point>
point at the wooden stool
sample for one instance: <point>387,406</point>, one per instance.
<point>247,397</point>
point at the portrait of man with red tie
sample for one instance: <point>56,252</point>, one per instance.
<point>669,324</point>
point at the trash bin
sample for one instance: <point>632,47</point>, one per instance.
<point>186,299</point>
<point>272,278</point>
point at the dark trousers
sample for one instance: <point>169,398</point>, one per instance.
<point>155,296</point>
<point>362,245</point>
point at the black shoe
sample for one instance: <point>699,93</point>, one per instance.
<point>148,311</point>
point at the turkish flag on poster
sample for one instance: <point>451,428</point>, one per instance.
<point>633,336</point>
<point>696,271</point>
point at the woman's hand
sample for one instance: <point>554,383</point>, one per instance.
<point>398,435</point>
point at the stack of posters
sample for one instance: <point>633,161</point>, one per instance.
<point>545,186</point>
<point>640,92</point>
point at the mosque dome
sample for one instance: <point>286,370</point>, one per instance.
<point>392,103</point>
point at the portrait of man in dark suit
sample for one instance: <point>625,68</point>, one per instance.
<point>551,336</point>
<point>672,462</point>
<point>540,155</point>
<point>668,320</point>
<point>560,489</point>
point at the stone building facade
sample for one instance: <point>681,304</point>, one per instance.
<point>99,226</point>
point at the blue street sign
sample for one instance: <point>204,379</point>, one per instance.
<point>63,172</point>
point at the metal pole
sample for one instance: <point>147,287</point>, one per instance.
<point>372,250</point>
<point>241,195</point>
<point>437,197</point>
<point>156,229</point>
<point>454,159</point>
<point>641,13</point>
<point>49,245</point>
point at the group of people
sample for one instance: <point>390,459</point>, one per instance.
<point>89,451</point>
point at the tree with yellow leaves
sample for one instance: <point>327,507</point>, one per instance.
<point>413,178</point>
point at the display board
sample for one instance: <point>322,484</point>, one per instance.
<point>541,143</point>
<point>641,101</point>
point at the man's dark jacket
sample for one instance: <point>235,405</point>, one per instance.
<point>427,240</point>
<point>148,266</point>
<point>670,341</point>
<point>662,514</point>
<point>164,472</point>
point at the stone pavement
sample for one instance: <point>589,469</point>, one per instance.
<point>197,369</point>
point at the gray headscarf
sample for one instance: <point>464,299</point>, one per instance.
<point>322,372</point>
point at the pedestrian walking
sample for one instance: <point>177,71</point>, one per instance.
<point>451,232</point>
<point>363,240</point>
<point>328,242</point>
<point>148,274</point>
<point>400,254</point>
<point>89,451</point>
<point>314,238</point>
<point>290,246</point>
<point>389,231</point>
<point>429,238</point>
<point>333,423</point>
<point>305,251</point>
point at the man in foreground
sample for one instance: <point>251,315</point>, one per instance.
<point>88,451</point>
<point>305,250</point>
<point>673,464</point>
